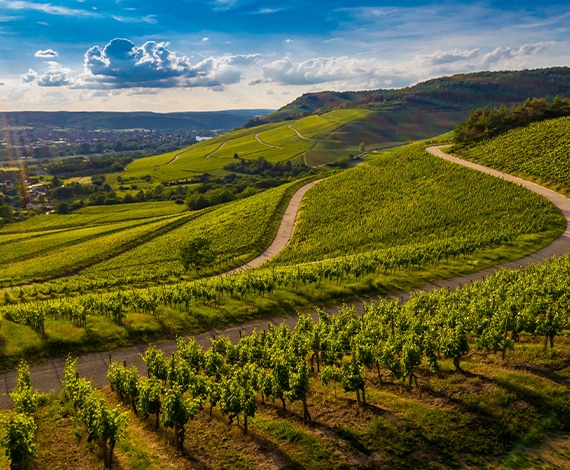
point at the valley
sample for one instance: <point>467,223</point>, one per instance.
<point>458,357</point>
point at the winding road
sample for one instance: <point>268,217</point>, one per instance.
<point>284,232</point>
<point>301,136</point>
<point>47,377</point>
<point>262,142</point>
<point>220,147</point>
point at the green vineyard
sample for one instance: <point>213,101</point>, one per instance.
<point>473,377</point>
<point>538,152</point>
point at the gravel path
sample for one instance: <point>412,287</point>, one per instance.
<point>220,147</point>
<point>301,136</point>
<point>262,142</point>
<point>47,377</point>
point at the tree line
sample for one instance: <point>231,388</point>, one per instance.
<point>487,122</point>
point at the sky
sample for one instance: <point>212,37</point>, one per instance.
<point>184,55</point>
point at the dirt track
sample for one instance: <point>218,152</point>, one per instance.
<point>284,233</point>
<point>47,376</point>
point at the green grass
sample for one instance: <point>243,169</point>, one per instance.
<point>54,255</point>
<point>238,230</point>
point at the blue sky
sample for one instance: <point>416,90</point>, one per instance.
<point>183,55</point>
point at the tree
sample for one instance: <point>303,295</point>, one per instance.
<point>55,182</point>
<point>197,254</point>
<point>62,208</point>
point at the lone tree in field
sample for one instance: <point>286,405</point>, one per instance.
<point>197,254</point>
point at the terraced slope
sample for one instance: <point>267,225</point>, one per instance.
<point>313,140</point>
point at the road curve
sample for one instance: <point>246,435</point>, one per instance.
<point>561,245</point>
<point>284,232</point>
<point>262,142</point>
<point>301,136</point>
<point>47,377</point>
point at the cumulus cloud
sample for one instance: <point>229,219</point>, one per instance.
<point>30,76</point>
<point>121,64</point>
<point>449,57</point>
<point>46,54</point>
<point>507,54</point>
<point>54,78</point>
<point>313,71</point>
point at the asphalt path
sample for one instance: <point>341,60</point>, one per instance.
<point>47,377</point>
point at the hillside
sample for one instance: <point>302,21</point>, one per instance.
<point>328,127</point>
<point>428,108</point>
<point>539,152</point>
<point>87,121</point>
<point>457,93</point>
<point>475,376</point>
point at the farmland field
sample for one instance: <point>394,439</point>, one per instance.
<point>472,370</point>
<point>236,230</point>
<point>408,196</point>
<point>275,142</point>
<point>540,152</point>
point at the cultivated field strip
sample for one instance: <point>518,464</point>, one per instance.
<point>539,151</point>
<point>235,230</point>
<point>62,255</point>
<point>408,196</point>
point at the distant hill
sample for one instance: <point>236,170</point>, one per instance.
<point>87,121</point>
<point>447,100</point>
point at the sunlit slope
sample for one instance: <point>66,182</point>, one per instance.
<point>539,151</point>
<point>109,245</point>
<point>408,196</point>
<point>314,140</point>
<point>49,246</point>
<point>237,230</point>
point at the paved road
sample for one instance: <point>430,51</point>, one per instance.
<point>47,377</point>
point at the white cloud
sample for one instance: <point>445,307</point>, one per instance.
<point>30,76</point>
<point>449,57</point>
<point>318,70</point>
<point>54,78</point>
<point>121,64</point>
<point>45,8</point>
<point>46,53</point>
<point>507,54</point>
<point>149,19</point>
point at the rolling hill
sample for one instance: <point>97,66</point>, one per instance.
<point>457,93</point>
<point>325,128</point>
<point>210,120</point>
